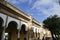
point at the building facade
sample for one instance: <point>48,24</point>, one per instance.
<point>16,25</point>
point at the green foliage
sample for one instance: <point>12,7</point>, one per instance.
<point>53,24</point>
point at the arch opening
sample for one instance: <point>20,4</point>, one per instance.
<point>12,25</point>
<point>23,28</point>
<point>11,29</point>
<point>23,32</point>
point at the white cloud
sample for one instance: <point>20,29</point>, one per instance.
<point>29,1</point>
<point>18,1</point>
<point>13,1</point>
<point>23,0</point>
<point>47,7</point>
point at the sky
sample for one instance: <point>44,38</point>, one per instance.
<point>39,9</point>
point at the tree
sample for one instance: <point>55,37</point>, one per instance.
<point>53,24</point>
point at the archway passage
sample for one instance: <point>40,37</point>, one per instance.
<point>1,28</point>
<point>23,32</point>
<point>12,30</point>
<point>23,28</point>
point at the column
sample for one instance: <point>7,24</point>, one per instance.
<point>18,34</point>
<point>3,33</point>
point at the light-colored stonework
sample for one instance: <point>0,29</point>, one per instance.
<point>12,16</point>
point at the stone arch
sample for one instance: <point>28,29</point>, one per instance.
<point>14,33</point>
<point>23,28</point>
<point>13,19</point>
<point>23,31</point>
<point>26,25</point>
<point>12,30</point>
<point>12,25</point>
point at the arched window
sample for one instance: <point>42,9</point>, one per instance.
<point>23,28</point>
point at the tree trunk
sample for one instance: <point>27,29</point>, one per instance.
<point>58,37</point>
<point>52,36</point>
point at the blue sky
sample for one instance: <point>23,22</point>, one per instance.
<point>39,9</point>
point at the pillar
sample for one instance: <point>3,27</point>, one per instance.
<point>3,33</point>
<point>18,34</point>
